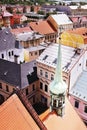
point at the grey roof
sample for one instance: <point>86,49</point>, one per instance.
<point>26,36</point>
<point>16,74</point>
<point>69,56</point>
<point>36,48</point>
<point>7,40</point>
<point>80,88</point>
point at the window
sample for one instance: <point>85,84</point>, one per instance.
<point>45,57</point>
<point>33,87</point>
<point>41,72</point>
<point>35,53</point>
<point>55,61</point>
<point>77,104</point>
<point>31,54</point>
<point>1,85</point>
<point>52,77</point>
<point>41,85</point>
<point>7,88</point>
<point>9,53</point>
<point>26,91</point>
<point>85,109</point>
<point>2,55</point>
<point>46,88</point>
<point>64,80</point>
<point>46,74</point>
<point>12,53</point>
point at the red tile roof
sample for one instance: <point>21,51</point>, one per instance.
<point>70,121</point>
<point>21,30</point>
<point>43,27</point>
<point>15,16</point>
<point>14,115</point>
<point>80,31</point>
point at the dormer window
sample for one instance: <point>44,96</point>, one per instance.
<point>9,53</point>
<point>45,57</point>
<point>2,56</point>
<point>12,53</point>
<point>55,61</point>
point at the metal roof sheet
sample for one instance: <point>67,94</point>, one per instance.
<point>69,58</point>
<point>61,19</point>
<point>80,88</point>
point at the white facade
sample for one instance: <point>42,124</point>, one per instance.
<point>60,21</point>
<point>11,54</point>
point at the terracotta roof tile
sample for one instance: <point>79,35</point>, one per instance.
<point>21,30</point>
<point>43,27</point>
<point>70,121</point>
<point>79,31</point>
<point>14,116</point>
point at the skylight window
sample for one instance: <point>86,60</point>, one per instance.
<point>45,57</point>
<point>4,40</point>
<point>6,32</point>
<point>55,61</point>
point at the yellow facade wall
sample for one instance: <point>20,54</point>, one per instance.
<point>26,55</point>
<point>72,40</point>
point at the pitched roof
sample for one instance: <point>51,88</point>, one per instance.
<point>21,30</point>
<point>6,14</point>
<point>27,36</point>
<point>69,57</point>
<point>7,40</point>
<point>61,19</point>
<point>20,75</point>
<point>17,113</point>
<point>70,121</point>
<point>80,88</point>
<point>43,27</point>
<point>79,31</point>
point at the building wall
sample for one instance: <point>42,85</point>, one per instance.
<point>46,75</point>
<point>76,71</point>
<point>31,92</point>
<point>52,37</point>
<point>81,107</point>
<point>6,21</point>
<point>52,21</point>
<point>1,22</point>
<point>6,89</point>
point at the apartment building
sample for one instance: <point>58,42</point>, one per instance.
<point>72,66</point>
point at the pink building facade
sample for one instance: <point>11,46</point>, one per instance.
<point>80,107</point>
<point>78,96</point>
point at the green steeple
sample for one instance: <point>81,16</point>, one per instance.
<point>58,86</point>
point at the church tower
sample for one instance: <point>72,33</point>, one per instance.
<point>58,88</point>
